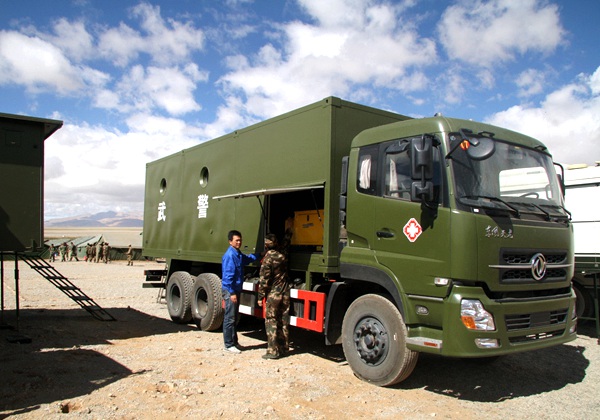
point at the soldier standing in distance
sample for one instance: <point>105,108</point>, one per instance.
<point>275,287</point>
<point>73,254</point>
<point>62,250</point>
<point>105,253</point>
<point>129,254</point>
<point>98,255</point>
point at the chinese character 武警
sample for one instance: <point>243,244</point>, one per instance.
<point>162,207</point>
<point>202,206</point>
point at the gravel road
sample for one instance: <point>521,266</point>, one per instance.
<point>144,366</point>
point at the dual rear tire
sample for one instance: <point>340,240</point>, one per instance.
<point>178,296</point>
<point>195,299</point>
<point>207,309</point>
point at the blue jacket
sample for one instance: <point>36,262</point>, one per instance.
<point>233,262</point>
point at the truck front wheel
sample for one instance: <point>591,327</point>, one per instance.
<point>179,296</point>
<point>374,341</point>
<point>207,310</point>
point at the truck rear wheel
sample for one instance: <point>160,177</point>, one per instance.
<point>207,311</point>
<point>179,296</point>
<point>374,341</point>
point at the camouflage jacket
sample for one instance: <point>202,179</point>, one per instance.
<point>273,274</point>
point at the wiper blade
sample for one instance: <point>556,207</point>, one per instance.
<point>548,217</point>
<point>567,214</point>
<point>494,199</point>
<point>539,208</point>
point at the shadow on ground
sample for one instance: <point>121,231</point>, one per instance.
<point>477,380</point>
<point>46,359</point>
<point>54,366</point>
<point>514,376</point>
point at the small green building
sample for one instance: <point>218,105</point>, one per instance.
<point>22,180</point>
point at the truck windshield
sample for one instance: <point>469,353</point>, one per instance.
<point>512,179</point>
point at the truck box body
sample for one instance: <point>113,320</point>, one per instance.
<point>292,153</point>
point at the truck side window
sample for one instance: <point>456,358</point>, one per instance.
<point>366,178</point>
<point>397,175</point>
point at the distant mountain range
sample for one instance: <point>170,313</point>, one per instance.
<point>104,219</point>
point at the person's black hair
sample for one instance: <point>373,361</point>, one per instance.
<point>233,233</point>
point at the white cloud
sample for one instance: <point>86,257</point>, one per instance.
<point>230,117</point>
<point>40,66</point>
<point>53,168</point>
<point>101,167</point>
<point>484,33</point>
<point>566,121</point>
<point>452,85</point>
<point>170,89</point>
<point>530,82</point>
<point>72,38</point>
<point>120,45</point>
<point>166,42</point>
<point>353,44</point>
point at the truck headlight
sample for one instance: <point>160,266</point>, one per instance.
<point>475,317</point>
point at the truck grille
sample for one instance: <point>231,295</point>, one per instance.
<point>534,320</point>
<point>537,319</point>
<point>536,337</point>
<point>515,266</point>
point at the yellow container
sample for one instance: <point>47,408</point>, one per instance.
<point>308,227</point>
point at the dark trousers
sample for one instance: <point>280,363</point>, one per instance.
<point>230,338</point>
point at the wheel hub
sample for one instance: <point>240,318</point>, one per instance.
<point>371,340</point>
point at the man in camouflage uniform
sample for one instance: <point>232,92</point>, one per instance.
<point>106,253</point>
<point>98,255</point>
<point>52,251</point>
<point>62,250</point>
<point>88,253</point>
<point>129,254</point>
<point>275,287</point>
<point>73,252</point>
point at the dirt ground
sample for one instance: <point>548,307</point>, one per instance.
<point>144,366</point>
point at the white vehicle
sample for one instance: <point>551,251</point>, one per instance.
<point>582,199</point>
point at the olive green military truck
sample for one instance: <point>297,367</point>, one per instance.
<point>433,235</point>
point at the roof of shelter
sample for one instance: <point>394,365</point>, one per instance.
<point>116,237</point>
<point>50,126</point>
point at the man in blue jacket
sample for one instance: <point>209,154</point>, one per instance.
<point>233,263</point>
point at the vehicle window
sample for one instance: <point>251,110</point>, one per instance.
<point>397,174</point>
<point>385,170</point>
<point>367,169</point>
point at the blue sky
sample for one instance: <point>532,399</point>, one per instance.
<point>134,81</point>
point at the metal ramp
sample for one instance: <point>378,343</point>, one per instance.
<point>64,285</point>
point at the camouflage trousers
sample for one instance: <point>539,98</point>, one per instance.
<point>277,321</point>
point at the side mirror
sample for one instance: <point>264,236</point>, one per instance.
<point>421,158</point>
<point>561,178</point>
<point>421,191</point>
<point>481,148</point>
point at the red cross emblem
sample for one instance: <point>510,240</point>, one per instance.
<point>412,230</point>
